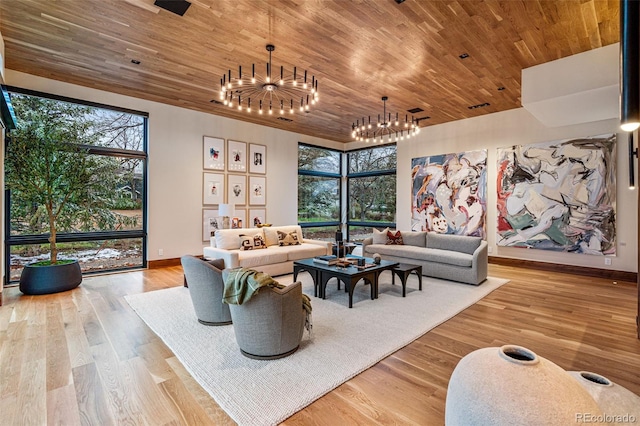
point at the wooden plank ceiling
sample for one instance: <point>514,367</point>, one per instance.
<point>359,51</point>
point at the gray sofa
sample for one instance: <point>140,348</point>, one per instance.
<point>451,257</point>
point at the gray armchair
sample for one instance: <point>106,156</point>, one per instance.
<point>205,283</point>
<point>269,325</point>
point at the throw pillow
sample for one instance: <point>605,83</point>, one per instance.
<point>248,242</point>
<point>380,237</point>
<point>288,239</point>
<point>394,239</point>
<point>217,263</point>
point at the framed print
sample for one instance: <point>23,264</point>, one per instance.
<point>237,156</point>
<point>237,189</point>
<point>257,190</point>
<point>257,217</point>
<point>239,219</point>
<point>257,159</point>
<point>210,223</point>
<point>213,188</point>
<point>213,153</point>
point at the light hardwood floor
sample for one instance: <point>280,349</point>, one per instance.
<point>84,357</point>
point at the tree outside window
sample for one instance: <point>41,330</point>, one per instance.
<point>371,186</point>
<point>100,150</point>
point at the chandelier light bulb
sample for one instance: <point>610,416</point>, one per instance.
<point>384,129</point>
<point>269,87</point>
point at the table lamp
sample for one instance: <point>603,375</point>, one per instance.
<point>225,211</point>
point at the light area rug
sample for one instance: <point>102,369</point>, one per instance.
<point>344,341</point>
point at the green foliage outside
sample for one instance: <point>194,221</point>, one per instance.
<point>56,186</point>
<point>373,199</point>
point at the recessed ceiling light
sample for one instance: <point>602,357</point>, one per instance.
<point>464,56</point>
<point>486,104</point>
<point>501,88</point>
<point>285,119</point>
<point>135,61</point>
<point>414,110</point>
<point>399,1</point>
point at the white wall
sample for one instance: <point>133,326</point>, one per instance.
<point>175,168</point>
<point>516,127</point>
<point>175,163</point>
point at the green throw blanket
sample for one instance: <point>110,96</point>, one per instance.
<point>241,284</point>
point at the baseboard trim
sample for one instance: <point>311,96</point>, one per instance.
<point>506,261</point>
<point>569,269</point>
<point>163,263</point>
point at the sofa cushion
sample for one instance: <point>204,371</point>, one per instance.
<point>410,252</point>
<point>304,251</point>
<point>271,233</point>
<point>394,238</point>
<point>448,257</point>
<point>459,243</point>
<point>229,239</point>
<point>421,254</point>
<point>256,258</point>
<point>380,237</point>
<point>252,242</point>
<point>288,238</point>
<point>418,239</point>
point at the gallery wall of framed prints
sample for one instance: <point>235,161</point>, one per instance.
<point>234,172</point>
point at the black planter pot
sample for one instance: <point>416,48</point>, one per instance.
<point>50,279</point>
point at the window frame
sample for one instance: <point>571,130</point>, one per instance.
<point>93,150</point>
<point>325,224</point>
<point>348,176</point>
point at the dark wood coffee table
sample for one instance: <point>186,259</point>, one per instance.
<point>350,275</point>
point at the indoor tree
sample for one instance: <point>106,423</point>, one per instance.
<point>54,182</point>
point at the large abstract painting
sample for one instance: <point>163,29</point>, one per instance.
<point>449,193</point>
<point>558,195</point>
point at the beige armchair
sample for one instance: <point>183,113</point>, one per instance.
<point>204,279</point>
<point>269,325</point>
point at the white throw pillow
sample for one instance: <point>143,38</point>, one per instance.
<point>229,239</point>
<point>271,233</point>
<point>380,237</point>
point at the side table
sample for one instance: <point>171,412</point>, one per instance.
<point>403,270</point>
<point>342,250</point>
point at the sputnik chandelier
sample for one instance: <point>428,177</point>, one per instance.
<point>269,92</point>
<point>386,129</point>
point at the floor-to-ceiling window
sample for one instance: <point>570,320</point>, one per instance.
<point>115,238</point>
<point>319,192</point>
<point>371,190</point>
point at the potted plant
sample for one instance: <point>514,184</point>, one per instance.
<point>59,186</point>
